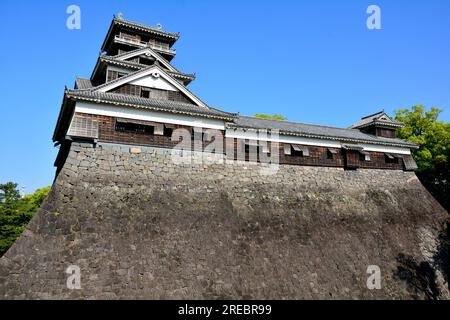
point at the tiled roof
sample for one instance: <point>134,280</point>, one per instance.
<point>81,83</point>
<point>315,131</point>
<point>143,27</point>
<point>140,50</point>
<point>243,122</point>
<point>376,118</point>
<point>148,103</point>
<point>136,51</point>
<point>138,66</point>
<point>143,71</point>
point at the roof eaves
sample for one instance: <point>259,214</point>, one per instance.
<point>329,137</point>
<point>393,124</point>
<point>97,64</point>
<point>373,115</point>
<point>146,49</point>
<point>389,123</point>
<point>136,65</point>
<point>62,112</point>
<point>146,28</point>
<point>78,95</point>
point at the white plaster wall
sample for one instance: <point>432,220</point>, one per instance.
<point>148,115</point>
<point>241,134</point>
<point>151,82</point>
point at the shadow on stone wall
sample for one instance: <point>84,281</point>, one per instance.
<point>421,277</point>
<point>438,184</point>
<point>442,256</point>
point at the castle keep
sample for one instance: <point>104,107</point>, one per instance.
<point>135,96</point>
<point>139,225</point>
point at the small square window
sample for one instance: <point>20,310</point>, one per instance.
<point>331,153</point>
<point>301,151</point>
<point>287,149</point>
<point>168,132</point>
<point>145,93</point>
<point>390,158</point>
<point>364,156</point>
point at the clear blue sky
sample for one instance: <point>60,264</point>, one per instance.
<point>312,61</point>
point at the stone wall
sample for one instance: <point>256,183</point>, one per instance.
<point>141,226</point>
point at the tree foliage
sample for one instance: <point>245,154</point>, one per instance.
<point>16,212</point>
<point>433,154</point>
<point>271,117</point>
<point>433,136</point>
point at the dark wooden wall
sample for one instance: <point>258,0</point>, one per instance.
<point>130,89</point>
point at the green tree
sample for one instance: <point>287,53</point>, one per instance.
<point>16,212</point>
<point>433,136</point>
<point>433,154</point>
<point>271,117</point>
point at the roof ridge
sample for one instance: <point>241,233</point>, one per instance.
<point>374,114</point>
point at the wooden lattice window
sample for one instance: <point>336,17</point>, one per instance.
<point>113,75</point>
<point>154,93</point>
<point>83,127</point>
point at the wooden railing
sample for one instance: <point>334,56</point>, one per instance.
<point>143,44</point>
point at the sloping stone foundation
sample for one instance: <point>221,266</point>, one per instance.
<point>140,226</point>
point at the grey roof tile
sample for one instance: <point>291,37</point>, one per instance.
<point>139,66</point>
<point>148,103</point>
<point>315,131</point>
<point>140,50</point>
<point>81,83</point>
<point>147,28</point>
<point>376,118</point>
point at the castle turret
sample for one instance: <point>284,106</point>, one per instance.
<point>378,124</point>
<point>124,36</point>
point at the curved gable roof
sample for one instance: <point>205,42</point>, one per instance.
<point>148,72</point>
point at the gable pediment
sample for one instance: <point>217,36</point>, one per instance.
<point>384,117</point>
<point>154,81</point>
<point>147,53</point>
<point>152,77</point>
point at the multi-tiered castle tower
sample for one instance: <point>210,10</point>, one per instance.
<point>136,224</point>
<point>136,96</point>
